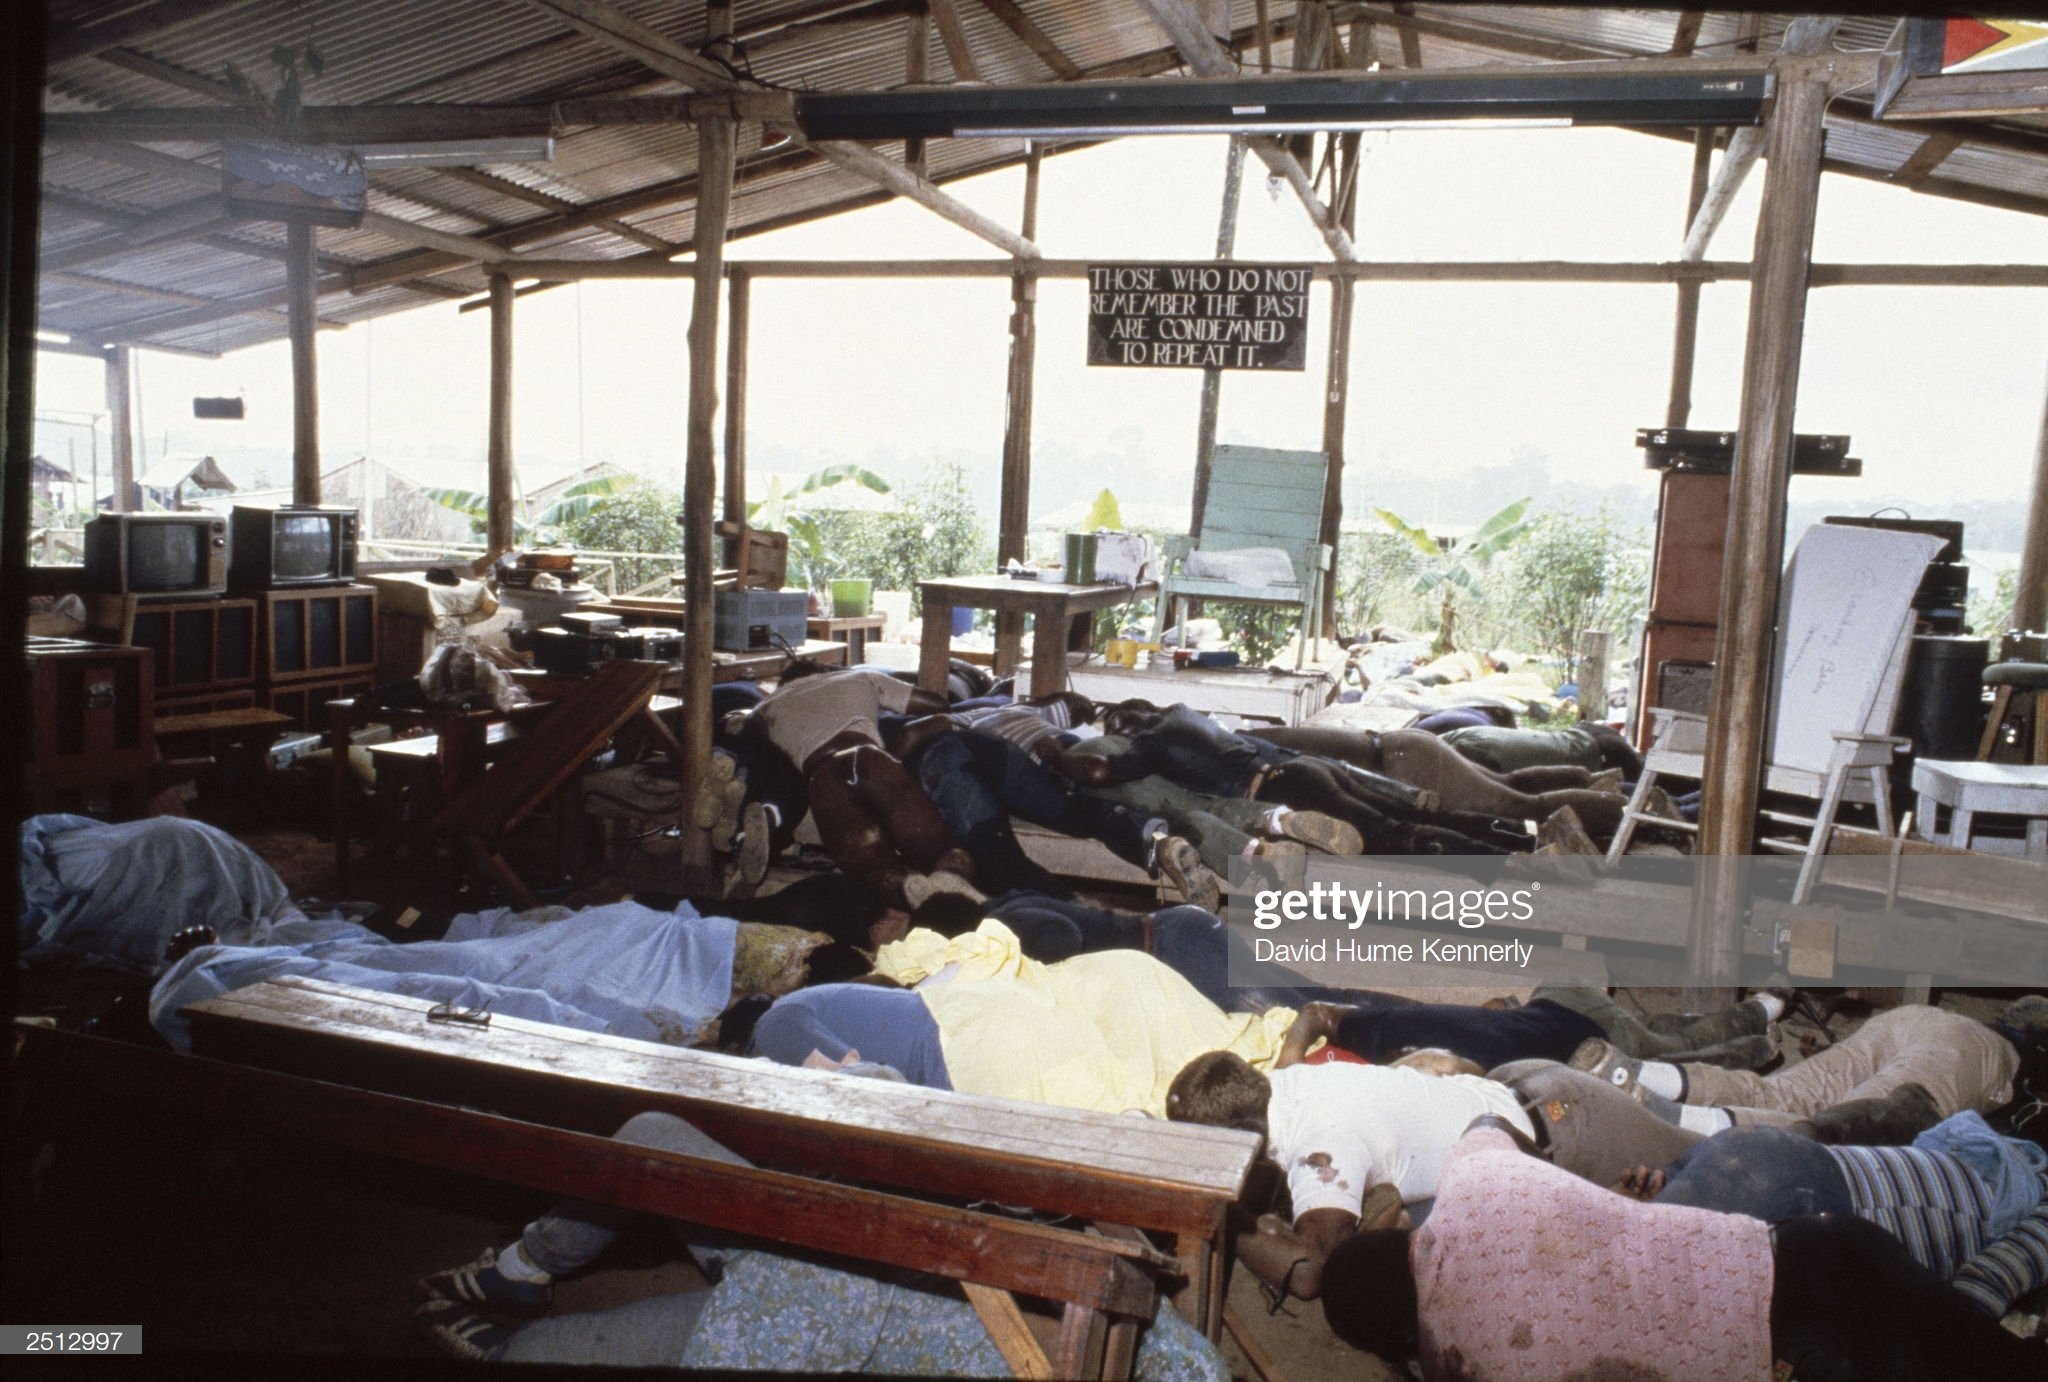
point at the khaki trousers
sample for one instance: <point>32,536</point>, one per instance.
<point>1962,1063</point>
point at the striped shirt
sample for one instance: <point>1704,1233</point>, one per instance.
<point>1026,726</point>
<point>1939,1208</point>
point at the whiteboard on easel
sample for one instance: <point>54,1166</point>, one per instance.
<point>1846,595</point>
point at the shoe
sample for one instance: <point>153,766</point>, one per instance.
<point>1280,849</point>
<point>1608,781</point>
<point>460,1332</point>
<point>756,844</point>
<point>1564,829</point>
<point>1737,1053</point>
<point>480,1284</point>
<point>1182,866</point>
<point>1318,831</point>
<point>1600,1059</point>
<point>719,801</point>
<point>917,887</point>
<point>1658,806</point>
<point>1890,1120</point>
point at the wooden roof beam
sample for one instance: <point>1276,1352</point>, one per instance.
<point>1206,58</point>
<point>1808,36</point>
<point>655,50</point>
<point>1019,23</point>
<point>954,37</point>
<point>504,187</point>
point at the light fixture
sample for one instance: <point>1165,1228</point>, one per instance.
<point>1232,127</point>
<point>53,337</point>
<point>1293,105</point>
<point>457,153</point>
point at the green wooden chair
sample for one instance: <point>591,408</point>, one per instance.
<point>1258,497</point>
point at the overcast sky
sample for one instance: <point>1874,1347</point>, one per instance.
<point>1941,388</point>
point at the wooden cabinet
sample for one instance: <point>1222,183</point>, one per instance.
<point>90,722</point>
<point>326,632</point>
<point>195,646</point>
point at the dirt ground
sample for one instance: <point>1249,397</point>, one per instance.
<point>270,1254</point>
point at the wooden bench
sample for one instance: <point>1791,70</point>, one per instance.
<point>1173,1178</point>
<point>1107,1285</point>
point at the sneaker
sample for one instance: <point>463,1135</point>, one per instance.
<point>1600,1059</point>
<point>1182,866</point>
<point>480,1284</point>
<point>918,887</point>
<point>756,843</point>
<point>1318,831</point>
<point>460,1332</point>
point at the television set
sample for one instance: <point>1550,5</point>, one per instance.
<point>292,545</point>
<point>157,555</point>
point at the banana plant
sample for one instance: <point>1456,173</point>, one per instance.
<point>536,530</point>
<point>1456,568</point>
<point>778,511</point>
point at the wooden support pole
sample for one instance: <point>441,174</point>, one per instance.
<point>1685,330</point>
<point>1013,509</point>
<point>1212,379</point>
<point>1013,514</point>
<point>917,38</point>
<point>955,39</point>
<point>2030,596</point>
<point>739,296</point>
<point>1740,715</point>
<point>302,296</point>
<point>700,482</point>
<point>499,482</point>
<point>121,426</point>
<point>1343,296</point>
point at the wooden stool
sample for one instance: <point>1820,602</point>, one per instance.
<point>1973,789</point>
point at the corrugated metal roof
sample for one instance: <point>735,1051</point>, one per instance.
<point>116,273</point>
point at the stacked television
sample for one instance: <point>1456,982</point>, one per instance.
<point>257,609</point>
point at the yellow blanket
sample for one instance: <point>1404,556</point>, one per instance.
<point>1106,1032</point>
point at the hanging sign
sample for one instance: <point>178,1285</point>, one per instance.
<point>1213,315</point>
<point>270,180</point>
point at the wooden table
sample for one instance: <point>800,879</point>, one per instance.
<point>1053,605</point>
<point>1973,789</point>
<point>853,632</point>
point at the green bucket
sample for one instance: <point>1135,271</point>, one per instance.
<point>1080,559</point>
<point>850,599</point>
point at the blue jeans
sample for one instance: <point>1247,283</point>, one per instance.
<point>1766,1173</point>
<point>1188,747</point>
<point>979,781</point>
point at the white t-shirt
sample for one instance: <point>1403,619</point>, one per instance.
<point>1339,1129</point>
<point>802,716</point>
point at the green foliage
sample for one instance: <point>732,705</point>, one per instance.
<point>936,532</point>
<point>287,103</point>
<point>1990,611</point>
<point>1451,572</point>
<point>639,518</point>
<point>1375,576</point>
<point>1257,631</point>
<point>809,547</point>
<point>575,503</point>
<point>1570,573</point>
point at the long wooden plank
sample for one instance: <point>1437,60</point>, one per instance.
<point>1168,1176</point>
<point>1188,1155</point>
<point>1055,1264</point>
